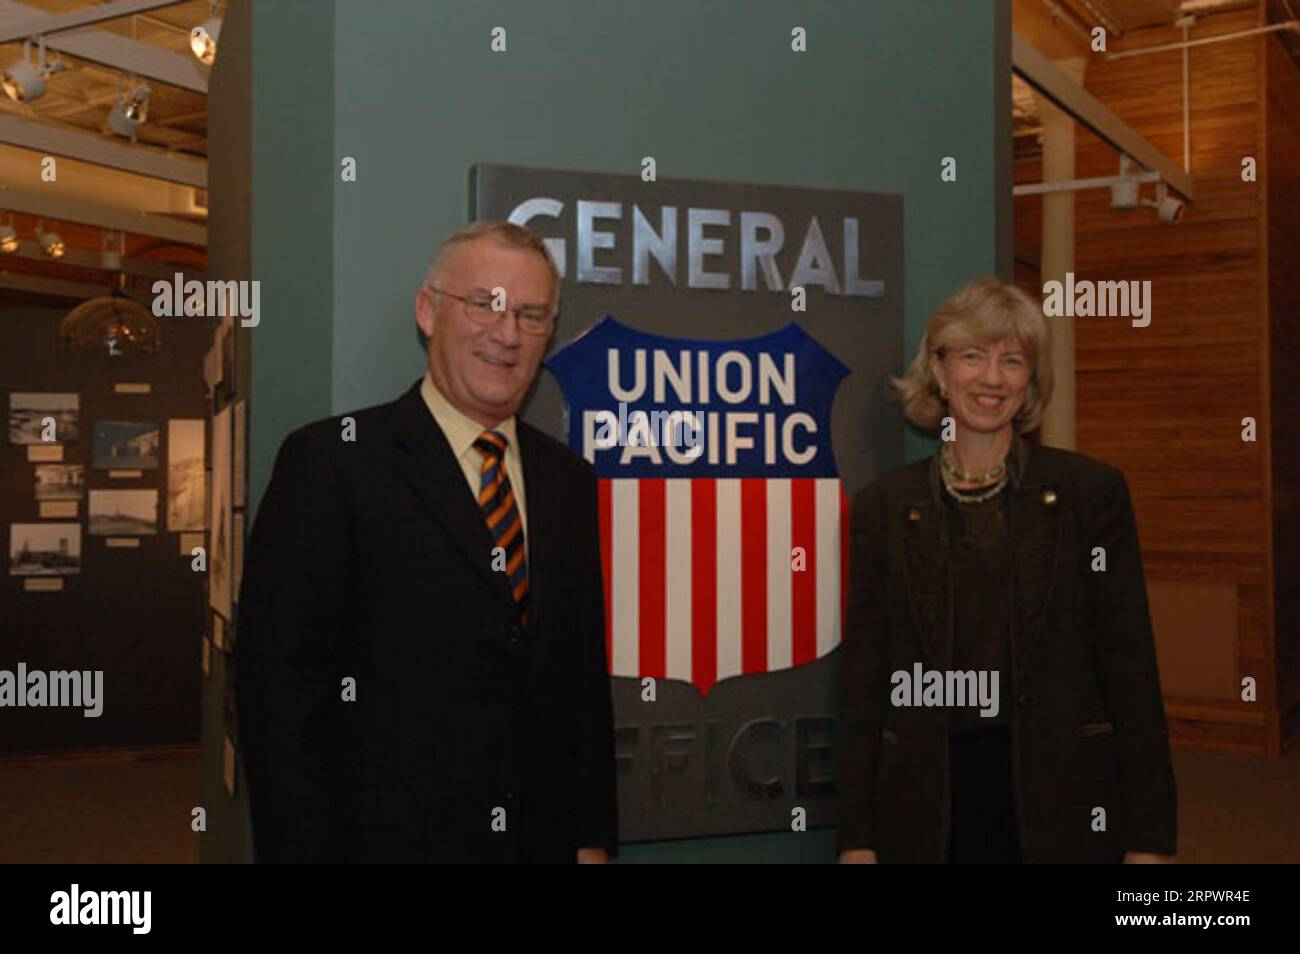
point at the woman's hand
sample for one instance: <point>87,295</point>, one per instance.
<point>1146,858</point>
<point>858,856</point>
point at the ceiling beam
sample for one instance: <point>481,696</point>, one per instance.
<point>1044,24</point>
<point>132,56</point>
<point>39,22</point>
<point>1040,73</point>
<point>189,117</point>
<point>51,286</point>
<point>91,213</point>
<point>82,258</point>
<point>100,151</point>
<point>120,53</point>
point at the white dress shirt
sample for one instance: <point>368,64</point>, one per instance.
<point>461,433</point>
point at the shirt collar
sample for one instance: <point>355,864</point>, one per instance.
<point>461,431</point>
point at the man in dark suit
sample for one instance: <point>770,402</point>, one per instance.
<point>421,654</point>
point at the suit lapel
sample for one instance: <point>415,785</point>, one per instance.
<point>547,535</point>
<point>544,506</point>
<point>1035,532</point>
<point>926,570</point>
<point>427,464</point>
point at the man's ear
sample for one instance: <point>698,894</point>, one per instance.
<point>426,311</point>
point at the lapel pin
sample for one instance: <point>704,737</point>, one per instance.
<point>1049,498</point>
<point>913,514</point>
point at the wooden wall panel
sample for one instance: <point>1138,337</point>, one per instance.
<point>1198,661</point>
<point>1165,402</point>
<point>1282,173</point>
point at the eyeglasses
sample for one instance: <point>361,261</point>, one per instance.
<point>532,320</point>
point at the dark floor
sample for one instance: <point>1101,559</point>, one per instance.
<point>135,807</point>
<point>102,808</point>
<point>1238,808</point>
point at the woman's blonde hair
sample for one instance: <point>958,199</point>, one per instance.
<point>982,312</point>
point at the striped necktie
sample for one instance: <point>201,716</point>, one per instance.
<point>497,500</point>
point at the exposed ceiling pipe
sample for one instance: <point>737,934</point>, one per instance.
<point>1041,74</point>
<point>1221,38</point>
<point>1101,18</point>
<point>1075,185</point>
<point>1212,6</point>
<point>1068,18</point>
<point>1187,106</point>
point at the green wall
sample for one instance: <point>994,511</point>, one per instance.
<point>412,91</point>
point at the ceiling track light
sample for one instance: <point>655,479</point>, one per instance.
<point>1124,192</point>
<point>51,242</point>
<point>24,81</point>
<point>1169,208</point>
<point>130,111</point>
<point>203,38</point>
<point>8,237</point>
<point>112,250</point>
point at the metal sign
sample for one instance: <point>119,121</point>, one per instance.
<point>721,359</point>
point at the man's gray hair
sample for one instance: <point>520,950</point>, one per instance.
<point>507,233</point>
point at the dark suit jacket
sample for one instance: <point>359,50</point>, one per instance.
<point>1088,721</point>
<point>371,560</point>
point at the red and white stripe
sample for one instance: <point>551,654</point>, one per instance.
<point>698,578</point>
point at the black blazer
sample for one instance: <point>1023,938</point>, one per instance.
<point>371,560</point>
<point>1088,721</point>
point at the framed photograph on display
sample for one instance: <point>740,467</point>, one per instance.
<point>187,501</point>
<point>225,344</point>
<point>60,482</point>
<point>44,417</point>
<point>220,537</point>
<point>44,549</point>
<point>123,512</point>
<point>125,445</point>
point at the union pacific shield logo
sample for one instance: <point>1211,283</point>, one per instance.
<point>723,521</point>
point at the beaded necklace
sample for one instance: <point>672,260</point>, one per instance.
<point>951,473</point>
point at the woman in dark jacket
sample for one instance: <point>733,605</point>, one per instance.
<point>1000,695</point>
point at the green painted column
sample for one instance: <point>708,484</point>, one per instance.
<point>414,93</point>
